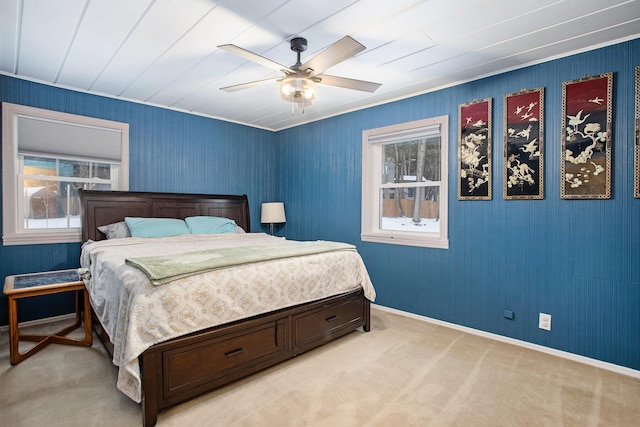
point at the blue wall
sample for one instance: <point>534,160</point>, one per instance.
<point>169,152</point>
<point>577,260</point>
<point>574,259</point>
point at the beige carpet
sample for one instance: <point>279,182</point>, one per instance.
<point>405,372</point>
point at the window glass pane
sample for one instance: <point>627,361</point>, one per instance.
<point>51,204</point>
<point>416,161</point>
<point>404,161</point>
<point>101,170</point>
<point>400,213</point>
<point>54,204</point>
<point>432,159</point>
<point>400,162</point>
<point>66,168</point>
<point>40,166</point>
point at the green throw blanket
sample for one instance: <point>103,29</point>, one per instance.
<point>163,269</point>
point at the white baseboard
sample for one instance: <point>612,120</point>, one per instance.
<point>72,316</point>
<point>564,354</point>
<point>552,351</point>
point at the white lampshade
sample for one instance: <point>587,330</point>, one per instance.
<point>273,213</point>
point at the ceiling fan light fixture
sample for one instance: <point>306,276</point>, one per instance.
<point>298,86</point>
<point>301,90</point>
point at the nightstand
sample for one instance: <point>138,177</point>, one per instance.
<point>45,283</point>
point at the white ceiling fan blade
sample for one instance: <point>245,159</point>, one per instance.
<point>243,53</point>
<point>248,85</point>
<point>348,83</point>
<point>343,49</point>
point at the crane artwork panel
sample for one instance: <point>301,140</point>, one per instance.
<point>524,145</point>
<point>636,185</point>
<point>474,150</point>
<point>586,138</point>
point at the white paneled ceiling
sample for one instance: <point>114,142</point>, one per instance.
<point>164,52</point>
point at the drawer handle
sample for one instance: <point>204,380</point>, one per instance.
<point>234,352</point>
<point>331,318</point>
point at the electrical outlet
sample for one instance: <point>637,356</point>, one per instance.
<point>545,321</point>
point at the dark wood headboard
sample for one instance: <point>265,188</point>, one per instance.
<point>107,207</point>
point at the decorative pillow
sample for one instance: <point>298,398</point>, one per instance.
<point>117,230</point>
<point>211,225</point>
<point>240,230</point>
<point>156,227</point>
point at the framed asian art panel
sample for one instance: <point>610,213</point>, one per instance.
<point>586,138</point>
<point>474,150</point>
<point>524,145</point>
<point>636,186</point>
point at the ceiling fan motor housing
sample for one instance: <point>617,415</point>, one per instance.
<point>298,44</point>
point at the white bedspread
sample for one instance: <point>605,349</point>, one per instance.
<point>137,314</point>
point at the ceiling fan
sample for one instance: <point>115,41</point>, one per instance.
<point>299,82</point>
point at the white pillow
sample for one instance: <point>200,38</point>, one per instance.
<point>117,230</point>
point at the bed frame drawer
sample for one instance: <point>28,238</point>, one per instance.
<point>316,327</point>
<point>183,368</point>
<point>233,355</point>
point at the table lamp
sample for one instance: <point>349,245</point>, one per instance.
<point>272,213</point>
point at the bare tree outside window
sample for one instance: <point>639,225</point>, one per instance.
<point>416,162</point>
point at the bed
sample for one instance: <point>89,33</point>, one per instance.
<point>173,364</point>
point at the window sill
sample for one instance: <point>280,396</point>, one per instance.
<point>42,238</point>
<point>395,239</point>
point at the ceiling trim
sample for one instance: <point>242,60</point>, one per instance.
<point>370,105</point>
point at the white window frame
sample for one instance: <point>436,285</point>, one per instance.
<point>13,231</point>
<point>372,144</point>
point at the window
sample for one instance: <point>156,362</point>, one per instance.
<point>404,183</point>
<point>46,157</point>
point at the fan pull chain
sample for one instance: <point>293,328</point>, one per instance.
<point>293,106</point>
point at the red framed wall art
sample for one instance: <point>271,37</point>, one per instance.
<point>636,176</point>
<point>586,138</point>
<point>524,145</point>
<point>474,150</point>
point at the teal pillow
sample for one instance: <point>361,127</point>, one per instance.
<point>156,227</point>
<point>211,225</point>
